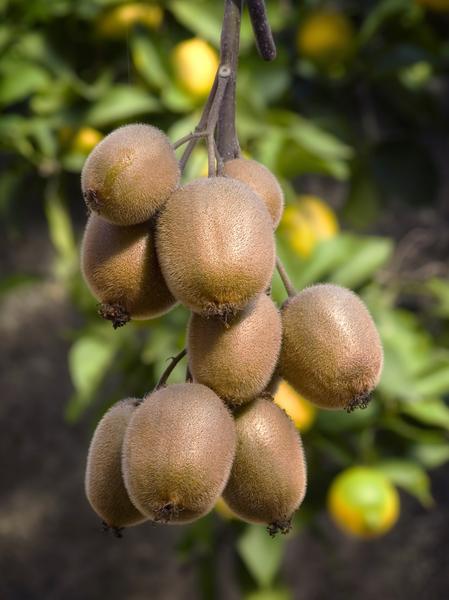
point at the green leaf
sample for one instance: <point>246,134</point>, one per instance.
<point>60,230</point>
<point>439,288</point>
<point>89,359</point>
<point>339,421</point>
<point>431,411</point>
<point>271,594</point>
<point>435,383</point>
<point>10,283</point>
<point>261,553</point>
<point>328,255</point>
<point>119,103</point>
<point>381,11</point>
<point>147,61</point>
<point>15,87</point>
<point>202,18</point>
<point>371,254</point>
<point>431,454</point>
<point>409,476</point>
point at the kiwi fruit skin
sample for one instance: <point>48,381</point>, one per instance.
<point>236,360</point>
<point>268,477</point>
<point>178,452</point>
<point>216,245</point>
<point>129,175</point>
<point>121,268</point>
<point>331,350</point>
<point>261,180</point>
<point>104,484</point>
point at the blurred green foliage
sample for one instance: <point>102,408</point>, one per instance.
<point>363,123</point>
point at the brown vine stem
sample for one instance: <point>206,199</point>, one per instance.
<point>262,30</point>
<point>166,374</point>
<point>289,287</point>
<point>227,140</point>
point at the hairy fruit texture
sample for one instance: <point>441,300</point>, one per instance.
<point>268,477</point>
<point>130,174</point>
<point>261,180</point>
<point>121,268</point>
<point>216,246</point>
<point>331,350</point>
<point>236,360</point>
<point>104,485</point>
<point>178,453</point>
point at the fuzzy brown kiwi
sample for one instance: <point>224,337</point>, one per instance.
<point>236,360</point>
<point>178,452</point>
<point>129,175</point>
<point>268,477</point>
<point>331,350</point>
<point>215,245</point>
<point>121,268</point>
<point>261,180</point>
<point>104,485</point>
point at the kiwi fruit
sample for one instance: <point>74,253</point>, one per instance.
<point>178,452</point>
<point>216,245</point>
<point>261,180</point>
<point>129,175</point>
<point>236,360</point>
<point>268,477</point>
<point>121,268</point>
<point>104,485</point>
<point>331,350</point>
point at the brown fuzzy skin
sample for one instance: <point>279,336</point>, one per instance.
<point>216,246</point>
<point>237,360</point>
<point>331,350</point>
<point>130,174</point>
<point>261,180</point>
<point>121,268</point>
<point>104,485</point>
<point>178,453</point>
<point>268,477</point>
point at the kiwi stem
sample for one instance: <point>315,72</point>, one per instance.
<point>289,287</point>
<point>215,161</point>
<point>200,127</point>
<point>262,30</point>
<point>166,374</point>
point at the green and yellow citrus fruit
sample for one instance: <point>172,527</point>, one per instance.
<point>307,222</point>
<point>325,37</point>
<point>195,63</point>
<point>300,410</point>
<point>363,502</point>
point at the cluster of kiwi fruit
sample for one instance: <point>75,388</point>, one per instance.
<point>151,242</point>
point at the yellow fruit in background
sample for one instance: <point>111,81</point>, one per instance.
<point>300,410</point>
<point>117,21</point>
<point>325,36</point>
<point>86,139</point>
<point>195,63</point>
<point>307,222</point>
<point>438,5</point>
<point>363,502</point>
<point>223,510</point>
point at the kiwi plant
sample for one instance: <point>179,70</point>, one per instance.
<point>152,241</point>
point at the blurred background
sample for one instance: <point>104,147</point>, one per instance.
<point>353,117</point>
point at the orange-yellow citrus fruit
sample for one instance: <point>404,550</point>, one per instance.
<point>117,21</point>
<point>325,36</point>
<point>307,222</point>
<point>363,502</point>
<point>195,63</point>
<point>86,139</point>
<point>300,410</point>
